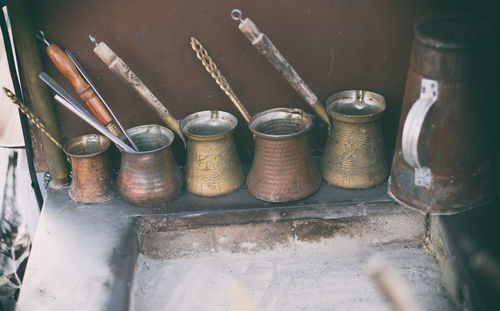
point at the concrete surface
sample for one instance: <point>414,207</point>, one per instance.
<point>308,276</point>
<point>84,256</point>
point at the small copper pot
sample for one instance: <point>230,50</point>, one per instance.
<point>151,176</point>
<point>91,181</point>
<point>354,156</point>
<point>212,167</point>
<point>282,168</point>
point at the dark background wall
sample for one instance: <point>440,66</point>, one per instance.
<point>334,45</point>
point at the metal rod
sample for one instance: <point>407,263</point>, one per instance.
<point>211,68</point>
<point>16,101</point>
<point>69,102</point>
<point>59,90</point>
<point>92,122</point>
<point>92,85</point>
<point>40,35</point>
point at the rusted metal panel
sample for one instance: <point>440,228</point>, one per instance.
<point>335,45</point>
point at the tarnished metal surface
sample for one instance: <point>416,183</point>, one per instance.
<point>455,142</point>
<point>282,168</point>
<point>92,180</point>
<point>212,167</point>
<point>354,156</point>
<point>150,176</point>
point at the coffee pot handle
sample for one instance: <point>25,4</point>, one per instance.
<point>413,127</point>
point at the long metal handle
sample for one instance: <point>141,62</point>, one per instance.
<point>265,47</point>
<point>412,129</point>
<point>92,85</point>
<point>69,102</point>
<point>33,118</point>
<point>92,122</point>
<point>211,67</point>
<point>120,68</point>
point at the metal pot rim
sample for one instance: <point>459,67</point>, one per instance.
<point>372,100</point>
<point>105,143</point>
<point>141,129</point>
<point>280,113</point>
<point>441,43</point>
<point>227,119</point>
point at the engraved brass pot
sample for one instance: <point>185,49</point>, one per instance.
<point>282,168</point>
<point>212,167</point>
<point>151,176</point>
<point>92,180</point>
<point>354,156</point>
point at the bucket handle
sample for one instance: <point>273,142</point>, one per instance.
<point>412,129</point>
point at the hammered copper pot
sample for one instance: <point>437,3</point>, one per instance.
<point>354,155</point>
<point>151,176</point>
<point>443,158</point>
<point>92,180</point>
<point>282,168</point>
<point>212,167</point>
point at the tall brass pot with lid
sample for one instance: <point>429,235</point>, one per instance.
<point>354,156</point>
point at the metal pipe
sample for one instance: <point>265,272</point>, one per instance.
<point>24,121</point>
<point>92,85</point>
<point>31,65</point>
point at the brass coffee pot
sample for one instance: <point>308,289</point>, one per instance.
<point>354,155</point>
<point>212,167</point>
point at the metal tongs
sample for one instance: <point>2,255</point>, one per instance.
<point>71,104</point>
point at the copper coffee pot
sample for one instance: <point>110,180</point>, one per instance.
<point>443,158</point>
<point>151,176</point>
<point>354,155</point>
<point>212,166</point>
<point>92,180</point>
<point>282,168</point>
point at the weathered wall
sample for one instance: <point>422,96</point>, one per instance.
<point>334,45</point>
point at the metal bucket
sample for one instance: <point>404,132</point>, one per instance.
<point>212,167</point>
<point>282,168</point>
<point>354,156</point>
<point>92,180</point>
<point>150,176</point>
<point>443,157</point>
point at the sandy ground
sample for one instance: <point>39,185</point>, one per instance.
<point>311,276</point>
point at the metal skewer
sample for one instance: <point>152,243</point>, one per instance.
<point>91,83</point>
<point>93,122</point>
<point>69,102</point>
